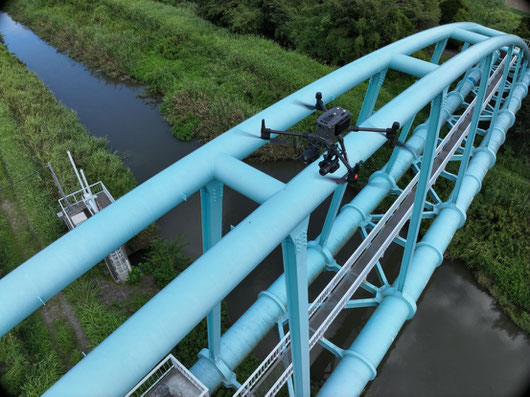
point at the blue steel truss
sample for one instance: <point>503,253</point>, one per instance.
<point>115,366</point>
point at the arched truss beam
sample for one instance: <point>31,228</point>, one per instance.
<point>136,346</point>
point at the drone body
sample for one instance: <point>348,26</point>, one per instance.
<point>328,139</point>
<point>333,122</point>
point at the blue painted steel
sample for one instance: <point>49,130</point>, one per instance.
<point>372,92</point>
<point>438,51</point>
<point>124,357</point>
<point>65,260</point>
<point>470,139</point>
<point>500,91</point>
<point>421,188</point>
<point>250,328</point>
<point>212,230</point>
<point>413,66</point>
<point>332,214</point>
<point>352,374</point>
<point>294,249</point>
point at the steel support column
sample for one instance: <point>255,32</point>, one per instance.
<point>212,224</point>
<point>438,51</point>
<point>332,214</point>
<point>294,248</point>
<point>421,189</point>
<point>374,86</point>
<point>470,139</point>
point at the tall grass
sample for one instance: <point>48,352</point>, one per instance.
<point>208,79</point>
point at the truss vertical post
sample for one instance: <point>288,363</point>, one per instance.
<point>433,129</point>
<point>294,248</point>
<point>438,51</point>
<point>212,222</point>
<point>502,88</point>
<point>515,75</point>
<point>485,69</point>
<point>374,86</point>
<point>332,214</point>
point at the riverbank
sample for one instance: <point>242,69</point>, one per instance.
<point>207,78</point>
<point>35,129</point>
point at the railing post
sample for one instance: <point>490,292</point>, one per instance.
<point>212,222</point>
<point>485,69</point>
<point>294,248</point>
<point>421,189</point>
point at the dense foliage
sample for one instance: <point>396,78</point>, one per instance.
<point>164,261</point>
<point>331,31</point>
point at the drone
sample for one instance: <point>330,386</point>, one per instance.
<point>328,139</point>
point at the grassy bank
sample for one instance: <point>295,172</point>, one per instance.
<point>35,129</point>
<point>208,79</point>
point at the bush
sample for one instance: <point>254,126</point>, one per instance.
<point>164,261</point>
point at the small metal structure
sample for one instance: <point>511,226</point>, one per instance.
<point>80,205</point>
<point>169,379</point>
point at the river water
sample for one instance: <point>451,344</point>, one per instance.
<point>458,344</point>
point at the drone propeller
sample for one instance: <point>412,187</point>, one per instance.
<point>319,105</point>
<point>388,133</point>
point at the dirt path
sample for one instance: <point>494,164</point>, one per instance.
<point>59,308</point>
<point>521,5</point>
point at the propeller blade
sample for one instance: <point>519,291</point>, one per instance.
<point>307,106</point>
<point>402,145</point>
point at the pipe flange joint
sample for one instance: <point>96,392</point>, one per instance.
<point>460,98</point>
<point>275,299</point>
<point>501,131</point>
<point>488,152</point>
<point>524,88</point>
<point>229,376</point>
<point>510,114</point>
<point>324,251</point>
<point>364,217</point>
<point>392,291</point>
<point>453,206</point>
<point>434,248</point>
<point>386,176</point>
<point>363,359</point>
<point>472,176</point>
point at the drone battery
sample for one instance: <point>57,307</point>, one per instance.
<point>333,122</point>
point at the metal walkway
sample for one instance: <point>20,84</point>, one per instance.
<point>275,370</point>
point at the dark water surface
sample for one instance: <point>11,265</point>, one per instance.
<point>458,344</point>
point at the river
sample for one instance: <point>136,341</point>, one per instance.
<point>458,344</point>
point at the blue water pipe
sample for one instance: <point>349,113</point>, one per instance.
<point>134,348</point>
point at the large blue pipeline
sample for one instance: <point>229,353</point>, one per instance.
<point>135,347</point>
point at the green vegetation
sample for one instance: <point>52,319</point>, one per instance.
<point>494,243</point>
<point>164,261</point>
<point>208,78</point>
<point>330,31</point>
<point>336,32</point>
<point>35,129</point>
